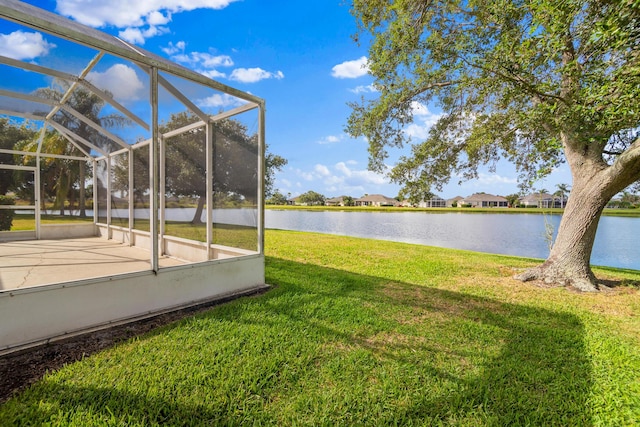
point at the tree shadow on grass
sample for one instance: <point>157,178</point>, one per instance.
<point>384,353</point>
<point>541,374</point>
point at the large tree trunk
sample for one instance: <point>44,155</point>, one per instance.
<point>198,215</point>
<point>568,263</point>
<point>594,184</point>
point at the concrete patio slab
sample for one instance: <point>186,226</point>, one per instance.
<point>40,262</point>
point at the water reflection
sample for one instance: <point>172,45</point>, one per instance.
<point>508,234</point>
<point>518,234</point>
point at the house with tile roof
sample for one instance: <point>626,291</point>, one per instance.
<point>434,202</point>
<point>454,202</point>
<point>484,200</point>
<point>336,201</point>
<point>376,200</point>
<point>541,200</point>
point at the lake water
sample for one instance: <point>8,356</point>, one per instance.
<point>519,234</point>
<point>616,242</point>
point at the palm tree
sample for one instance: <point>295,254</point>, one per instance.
<point>89,105</point>
<point>57,175</point>
<point>628,199</point>
<point>540,193</point>
<point>562,190</point>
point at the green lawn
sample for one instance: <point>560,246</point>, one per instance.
<point>365,332</point>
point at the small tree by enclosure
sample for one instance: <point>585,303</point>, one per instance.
<point>537,83</point>
<point>10,135</point>
<point>6,216</point>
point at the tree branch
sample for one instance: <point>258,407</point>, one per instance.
<point>612,153</point>
<point>517,80</point>
<point>626,168</point>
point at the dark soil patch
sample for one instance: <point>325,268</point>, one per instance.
<point>20,369</point>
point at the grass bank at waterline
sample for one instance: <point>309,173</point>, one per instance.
<point>543,211</point>
<point>365,332</point>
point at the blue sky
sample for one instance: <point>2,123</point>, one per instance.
<point>299,57</point>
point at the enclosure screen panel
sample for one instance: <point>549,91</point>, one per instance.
<point>185,184</point>
<point>236,183</point>
<point>141,188</point>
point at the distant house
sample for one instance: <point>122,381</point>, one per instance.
<point>376,200</point>
<point>541,200</point>
<point>484,200</point>
<point>455,201</point>
<point>294,201</point>
<point>434,202</point>
<point>335,201</point>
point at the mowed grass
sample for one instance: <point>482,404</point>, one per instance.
<point>237,236</point>
<point>366,332</point>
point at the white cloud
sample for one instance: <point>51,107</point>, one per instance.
<point>351,69</point>
<point>331,139</point>
<point>139,20</point>
<point>22,45</point>
<point>219,100</point>
<point>173,49</point>
<point>419,109</point>
<point>364,89</point>
<point>121,80</point>
<point>424,120</point>
<point>343,177</point>
<point>322,170</point>
<point>138,35</point>
<point>213,74</point>
<point>416,131</point>
<point>127,13</point>
<point>359,177</point>
<point>157,18</point>
<point>132,35</point>
<point>307,176</point>
<point>485,179</point>
<point>208,64</point>
<point>204,63</point>
<point>342,167</point>
<point>252,75</point>
<point>208,60</point>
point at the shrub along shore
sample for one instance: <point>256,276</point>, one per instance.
<point>366,332</point>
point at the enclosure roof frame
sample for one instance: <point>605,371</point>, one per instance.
<point>34,17</point>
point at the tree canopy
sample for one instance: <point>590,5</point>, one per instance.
<point>10,135</point>
<point>509,76</point>
<point>236,152</point>
<point>536,82</point>
<point>312,198</point>
<point>235,160</point>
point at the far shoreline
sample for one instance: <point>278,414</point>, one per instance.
<point>633,213</point>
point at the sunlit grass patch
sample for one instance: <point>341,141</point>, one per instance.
<point>364,332</point>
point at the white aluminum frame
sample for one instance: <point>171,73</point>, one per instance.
<point>35,315</point>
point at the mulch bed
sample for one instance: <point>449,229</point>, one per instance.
<point>20,369</point>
